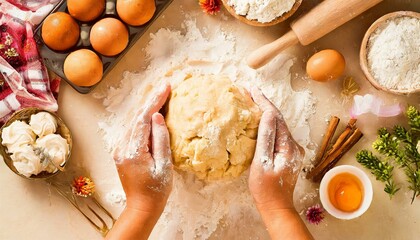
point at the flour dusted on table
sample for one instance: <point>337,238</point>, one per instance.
<point>116,198</point>
<point>263,11</point>
<point>394,54</point>
<point>196,209</point>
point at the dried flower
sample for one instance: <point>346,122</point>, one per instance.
<point>42,154</point>
<point>83,186</point>
<point>210,6</point>
<point>350,87</point>
<point>315,214</point>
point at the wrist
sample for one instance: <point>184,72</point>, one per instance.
<point>277,213</point>
<point>134,223</point>
<point>138,213</point>
<point>285,224</point>
<point>275,205</point>
<point>145,208</point>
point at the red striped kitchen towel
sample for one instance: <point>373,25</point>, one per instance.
<point>24,80</point>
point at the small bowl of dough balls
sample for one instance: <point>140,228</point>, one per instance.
<point>35,143</point>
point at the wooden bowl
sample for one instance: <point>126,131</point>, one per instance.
<point>280,19</point>
<point>365,46</point>
<point>25,115</point>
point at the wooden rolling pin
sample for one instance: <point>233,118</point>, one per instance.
<point>322,19</point>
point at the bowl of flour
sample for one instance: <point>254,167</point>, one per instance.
<point>390,53</point>
<point>261,13</point>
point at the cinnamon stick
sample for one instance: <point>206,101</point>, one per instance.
<point>327,139</point>
<point>349,129</point>
<point>334,157</point>
<point>343,136</point>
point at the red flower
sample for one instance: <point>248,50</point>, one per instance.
<point>315,214</point>
<point>83,186</point>
<point>210,6</point>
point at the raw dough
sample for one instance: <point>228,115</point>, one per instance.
<point>213,126</point>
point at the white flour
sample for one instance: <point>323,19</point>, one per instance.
<point>261,10</point>
<point>198,210</point>
<point>116,198</point>
<point>394,54</point>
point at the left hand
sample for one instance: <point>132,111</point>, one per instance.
<point>143,158</point>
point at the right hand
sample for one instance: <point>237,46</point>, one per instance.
<point>277,160</point>
<point>143,158</point>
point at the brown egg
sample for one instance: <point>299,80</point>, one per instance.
<point>83,68</point>
<point>326,65</point>
<point>136,12</point>
<point>60,31</point>
<point>109,36</point>
<point>85,10</point>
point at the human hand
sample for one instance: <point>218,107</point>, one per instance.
<point>143,158</point>
<point>277,160</point>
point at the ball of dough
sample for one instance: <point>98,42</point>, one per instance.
<point>213,127</point>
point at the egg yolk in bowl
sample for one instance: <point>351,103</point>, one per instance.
<point>345,192</point>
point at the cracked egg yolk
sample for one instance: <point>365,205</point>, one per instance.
<point>345,192</point>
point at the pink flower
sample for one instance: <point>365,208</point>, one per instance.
<point>315,214</point>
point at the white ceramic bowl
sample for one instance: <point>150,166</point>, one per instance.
<point>367,192</point>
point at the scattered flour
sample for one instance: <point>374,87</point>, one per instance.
<point>195,209</point>
<point>116,198</point>
<point>394,54</point>
<point>261,10</point>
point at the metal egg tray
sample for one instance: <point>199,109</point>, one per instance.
<point>54,60</point>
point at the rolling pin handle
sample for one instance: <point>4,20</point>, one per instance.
<point>266,53</point>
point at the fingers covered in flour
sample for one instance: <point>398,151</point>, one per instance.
<point>161,150</point>
<point>264,152</point>
<point>153,105</point>
<point>116,154</point>
<point>262,101</point>
<point>157,101</point>
<point>266,105</point>
<point>140,135</point>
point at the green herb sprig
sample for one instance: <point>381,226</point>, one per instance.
<point>399,148</point>
<point>381,170</point>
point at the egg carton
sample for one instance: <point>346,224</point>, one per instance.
<point>54,60</point>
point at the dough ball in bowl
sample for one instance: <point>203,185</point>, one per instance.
<point>213,126</point>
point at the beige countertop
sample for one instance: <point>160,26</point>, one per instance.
<point>32,210</point>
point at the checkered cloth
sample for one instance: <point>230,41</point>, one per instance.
<point>24,80</point>
<point>30,5</point>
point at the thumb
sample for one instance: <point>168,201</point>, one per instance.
<point>161,151</point>
<point>264,152</point>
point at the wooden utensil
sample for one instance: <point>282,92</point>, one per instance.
<point>255,23</point>
<point>324,18</point>
<point>365,45</point>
